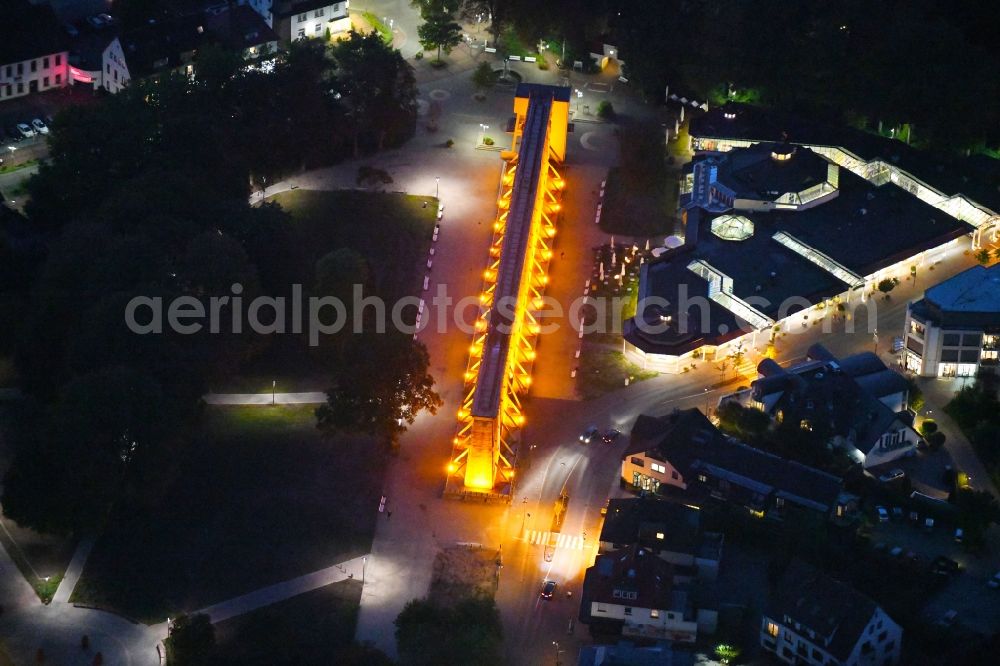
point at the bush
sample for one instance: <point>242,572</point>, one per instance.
<point>928,428</point>
<point>487,141</point>
<point>419,55</point>
<point>449,143</point>
<point>605,110</point>
<point>542,64</point>
<point>936,440</point>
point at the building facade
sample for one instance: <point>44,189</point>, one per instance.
<point>821,214</point>
<point>300,19</point>
<point>33,53</point>
<point>684,453</point>
<point>813,619</point>
<point>861,403</point>
<point>954,330</point>
<point>633,590</point>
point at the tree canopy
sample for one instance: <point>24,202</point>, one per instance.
<point>439,29</point>
<point>428,634</point>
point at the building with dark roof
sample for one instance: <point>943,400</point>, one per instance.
<point>172,45</point>
<point>684,453</point>
<point>822,223</point>
<point>634,591</point>
<point>672,531</point>
<point>814,619</point>
<point>33,53</point>
<point>858,401</point>
<point>954,330</point>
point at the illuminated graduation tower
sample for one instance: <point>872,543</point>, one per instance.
<point>503,346</point>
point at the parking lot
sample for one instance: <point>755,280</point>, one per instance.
<point>25,109</point>
<point>977,605</point>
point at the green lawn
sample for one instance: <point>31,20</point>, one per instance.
<point>379,26</point>
<point>603,371</point>
<point>253,496</point>
<point>308,629</point>
<point>641,194</point>
<point>391,230</point>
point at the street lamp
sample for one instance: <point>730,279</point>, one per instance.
<point>274,382</point>
<point>364,565</point>
<point>875,339</point>
<point>558,652</point>
<point>437,187</point>
<point>483,127</point>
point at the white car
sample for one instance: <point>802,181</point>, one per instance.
<point>39,126</point>
<point>25,131</point>
<point>883,515</point>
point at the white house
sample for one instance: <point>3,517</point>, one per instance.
<point>954,330</point>
<point>33,57</point>
<point>99,60</point>
<point>814,619</point>
<point>861,402</point>
<point>298,19</point>
<point>636,591</point>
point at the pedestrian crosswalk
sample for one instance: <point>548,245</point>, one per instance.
<point>554,539</point>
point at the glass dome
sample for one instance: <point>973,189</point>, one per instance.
<point>732,227</point>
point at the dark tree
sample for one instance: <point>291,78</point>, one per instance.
<point>378,91</point>
<point>439,29</point>
<point>382,384</point>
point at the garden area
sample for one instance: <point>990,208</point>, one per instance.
<point>641,194</point>
<point>250,497</point>
<point>390,234</point>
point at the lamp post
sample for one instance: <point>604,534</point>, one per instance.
<point>273,384</point>
<point>875,339</point>
<point>364,565</point>
<point>483,127</point>
<point>558,653</point>
<point>437,187</point>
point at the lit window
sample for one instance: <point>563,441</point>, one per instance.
<point>659,535</point>
<point>659,468</point>
<point>702,478</point>
<point>654,613</point>
<point>772,629</point>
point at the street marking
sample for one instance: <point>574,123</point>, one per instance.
<point>554,539</point>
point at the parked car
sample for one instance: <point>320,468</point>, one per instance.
<point>959,535</point>
<point>994,583</point>
<point>24,131</point>
<point>611,435</point>
<point>39,126</point>
<point>896,552</point>
<point>883,515</point>
<point>589,434</point>
<point>548,589</point>
<point>892,475</point>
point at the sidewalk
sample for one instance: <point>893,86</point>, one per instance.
<point>73,572</point>
<point>937,394</point>
<point>272,594</point>
<point>306,398</point>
